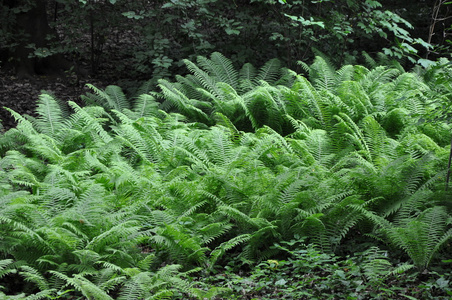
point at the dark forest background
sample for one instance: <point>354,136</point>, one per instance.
<point>148,39</point>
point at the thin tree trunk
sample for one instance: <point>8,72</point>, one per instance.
<point>34,24</point>
<point>448,166</point>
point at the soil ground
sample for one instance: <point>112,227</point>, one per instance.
<point>21,94</point>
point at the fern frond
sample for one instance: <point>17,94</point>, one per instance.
<point>134,288</point>
<point>7,266</point>
<point>348,127</point>
<point>221,147</point>
<point>219,251</point>
<point>322,74</point>
<point>47,148</point>
<point>112,98</point>
<point>50,116</point>
<point>313,101</point>
<point>121,232</point>
<point>422,237</point>
<point>265,107</point>
<point>207,82</point>
<point>145,88</point>
<point>355,99</point>
<point>213,231</point>
<point>269,72</point>
<point>179,245</point>
<point>23,125</point>
<point>223,120</point>
<point>401,269</point>
<point>149,150</point>
<point>371,63</point>
<point>220,68</point>
<point>83,285</point>
<point>247,76</point>
<point>189,85</point>
<point>376,264</point>
<point>91,120</point>
<point>118,98</point>
<point>319,145</point>
<point>182,103</point>
<point>377,82</point>
<point>346,73</point>
<point>30,274</point>
<point>377,141</point>
<point>145,106</point>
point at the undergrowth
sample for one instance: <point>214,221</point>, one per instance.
<point>257,182</point>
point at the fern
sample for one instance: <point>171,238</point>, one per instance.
<point>32,275</point>
<point>218,252</point>
<point>144,106</point>
<point>247,75</point>
<point>379,145</point>
<point>208,82</point>
<point>269,72</point>
<point>50,115</point>
<point>319,146</point>
<point>147,149</point>
<point>422,237</point>
<point>216,86</point>
<point>354,133</point>
<point>112,98</point>
<point>322,74</point>
<point>220,68</point>
<point>7,266</point>
<point>265,107</point>
<point>180,246</point>
<point>83,285</point>
<point>134,288</point>
<point>90,117</point>
<point>23,125</point>
<point>313,106</point>
<point>357,102</point>
<point>95,204</point>
<point>179,100</point>
<point>221,151</point>
<point>377,268</point>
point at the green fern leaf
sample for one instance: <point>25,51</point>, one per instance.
<point>83,285</point>
<point>112,98</point>
<point>207,82</point>
<point>92,121</point>
<point>30,274</point>
<point>247,76</point>
<point>322,74</point>
<point>145,106</point>
<point>50,115</point>
<point>220,68</point>
<point>269,72</point>
<point>118,98</point>
<point>225,246</point>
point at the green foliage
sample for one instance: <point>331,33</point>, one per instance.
<point>423,236</point>
<point>152,38</point>
<point>246,98</point>
<point>309,274</point>
<point>121,199</point>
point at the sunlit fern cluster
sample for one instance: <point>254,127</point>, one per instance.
<point>125,198</point>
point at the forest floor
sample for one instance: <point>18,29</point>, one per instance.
<point>21,94</point>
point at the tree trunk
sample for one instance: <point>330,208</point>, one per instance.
<point>34,24</point>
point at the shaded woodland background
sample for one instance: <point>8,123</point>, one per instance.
<point>225,149</point>
<point>60,45</point>
<point>148,39</point>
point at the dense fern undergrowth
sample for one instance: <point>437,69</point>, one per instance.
<point>234,184</point>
